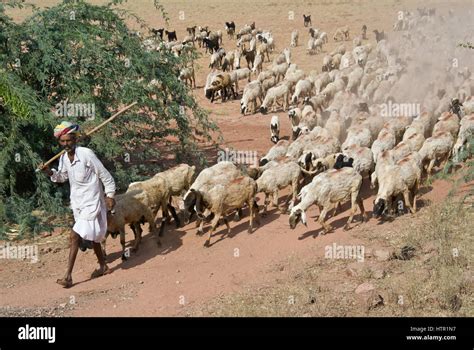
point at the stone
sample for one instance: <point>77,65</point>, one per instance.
<point>382,255</point>
<point>365,287</point>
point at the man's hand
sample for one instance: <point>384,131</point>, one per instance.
<point>110,202</point>
<point>45,169</point>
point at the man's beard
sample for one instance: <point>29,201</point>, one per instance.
<point>68,148</point>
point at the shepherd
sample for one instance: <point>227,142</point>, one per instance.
<point>89,199</point>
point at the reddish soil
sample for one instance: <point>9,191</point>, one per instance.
<point>158,281</point>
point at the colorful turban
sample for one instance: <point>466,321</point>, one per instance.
<point>65,128</point>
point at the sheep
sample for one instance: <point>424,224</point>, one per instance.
<point>221,82</point>
<point>342,33</point>
<point>373,122</point>
<point>402,178</point>
<point>382,91</point>
<point>292,77</point>
<point>244,39</point>
<point>283,57</point>
<point>397,126</point>
<point>237,56</point>
<point>332,161</point>
<point>210,77</point>
<point>188,39</point>
<point>335,125</point>
<point>361,54</point>
<point>308,121</point>
<point>466,132</point>
<point>244,30</point>
<point>253,44</point>
<point>279,91</point>
<point>275,129</point>
<point>219,36</point>
<point>130,208</point>
<point>326,190</point>
<point>401,150</point>
<point>263,49</point>
<point>257,64</point>
<point>171,35</point>
<point>324,37</point>
<point>249,56</point>
<point>268,83</point>
<point>355,78</point>
<point>303,88</point>
<point>336,61</point>
<point>252,92</point>
<point>276,178</point>
<point>187,74</point>
<point>447,122</point>
<point>279,70</point>
<point>155,194</point>
<point>316,148</point>
<point>357,41</point>
<point>294,114</point>
<point>357,135</point>
<point>222,198</point>
<point>313,45</point>
<point>318,102</point>
<point>178,180</point>
<point>211,43</point>
<point>321,82</point>
<point>370,89</point>
<point>363,159</point>
<point>327,63</point>
<point>228,60</point>
<point>277,151</point>
<point>384,159</point>
<point>296,147</point>
<point>220,173</point>
<point>414,141</point>
<point>307,20</point>
<point>294,38</point>
<point>265,74</point>
<point>418,126</point>
<point>230,29</point>
<point>341,49</point>
<point>437,148</point>
<point>385,141</point>
<point>239,74</point>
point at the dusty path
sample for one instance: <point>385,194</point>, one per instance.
<point>165,281</point>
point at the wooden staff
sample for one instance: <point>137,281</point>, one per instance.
<point>98,127</point>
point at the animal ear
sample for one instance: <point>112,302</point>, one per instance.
<point>303,218</point>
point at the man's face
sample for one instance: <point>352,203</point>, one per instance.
<point>68,142</point>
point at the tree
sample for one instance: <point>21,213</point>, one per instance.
<point>76,54</point>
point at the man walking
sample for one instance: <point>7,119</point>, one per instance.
<point>83,169</point>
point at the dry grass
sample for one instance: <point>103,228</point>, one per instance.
<point>436,282</point>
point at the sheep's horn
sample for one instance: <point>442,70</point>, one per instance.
<point>314,172</point>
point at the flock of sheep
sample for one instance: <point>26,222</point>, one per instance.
<point>341,134</point>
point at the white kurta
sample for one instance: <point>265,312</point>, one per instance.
<point>87,194</point>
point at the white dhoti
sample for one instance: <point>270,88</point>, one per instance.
<point>85,174</point>
<point>91,229</point>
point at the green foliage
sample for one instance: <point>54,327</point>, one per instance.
<point>466,175</point>
<point>78,53</point>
